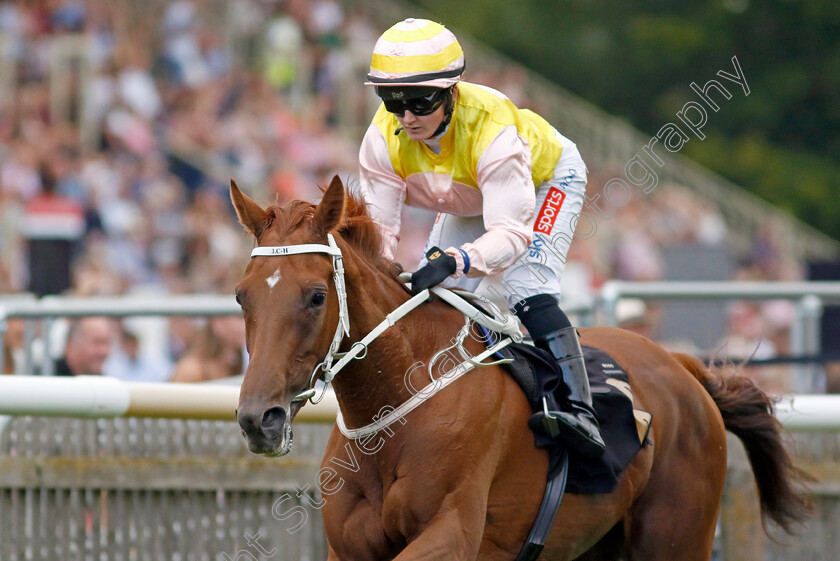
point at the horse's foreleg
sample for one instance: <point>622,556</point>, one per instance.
<point>450,527</point>
<point>449,536</point>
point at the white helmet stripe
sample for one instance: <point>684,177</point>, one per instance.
<point>417,48</point>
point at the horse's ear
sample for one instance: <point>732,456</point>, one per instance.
<point>330,210</point>
<point>250,214</point>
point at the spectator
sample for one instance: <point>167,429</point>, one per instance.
<point>217,352</point>
<point>89,341</point>
<point>12,345</point>
<point>53,224</point>
<point>15,347</point>
<point>129,363</point>
<point>832,377</point>
<point>283,47</point>
<point>748,338</point>
<point>634,315</point>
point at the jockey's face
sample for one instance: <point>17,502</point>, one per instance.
<point>422,127</point>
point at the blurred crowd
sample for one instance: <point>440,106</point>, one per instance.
<point>121,123</point>
<point>135,119</point>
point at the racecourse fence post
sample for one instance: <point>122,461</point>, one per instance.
<point>805,340</point>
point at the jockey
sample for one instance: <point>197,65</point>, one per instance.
<point>507,186</point>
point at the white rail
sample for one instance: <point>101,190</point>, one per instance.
<point>720,290</point>
<point>809,299</point>
<point>102,397</point>
<point>809,412</point>
<point>119,306</point>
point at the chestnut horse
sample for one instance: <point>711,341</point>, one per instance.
<point>459,477</point>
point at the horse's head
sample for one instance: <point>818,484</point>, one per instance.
<point>291,311</point>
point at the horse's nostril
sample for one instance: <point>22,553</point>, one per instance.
<point>247,422</point>
<point>274,419</point>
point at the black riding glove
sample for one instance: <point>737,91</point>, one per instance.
<point>440,265</point>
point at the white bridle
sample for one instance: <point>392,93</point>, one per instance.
<point>498,322</point>
<point>343,326</point>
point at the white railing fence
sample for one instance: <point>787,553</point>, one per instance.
<point>101,397</point>
<point>48,309</point>
<point>106,398</point>
<point>809,298</point>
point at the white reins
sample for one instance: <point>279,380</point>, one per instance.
<point>498,322</point>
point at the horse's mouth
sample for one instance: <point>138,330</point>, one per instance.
<point>285,445</point>
<point>274,449</point>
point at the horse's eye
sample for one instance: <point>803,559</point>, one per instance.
<point>317,300</point>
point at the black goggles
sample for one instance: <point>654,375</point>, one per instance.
<point>419,106</point>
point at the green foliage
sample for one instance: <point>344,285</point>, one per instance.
<point>636,58</point>
<point>802,183</point>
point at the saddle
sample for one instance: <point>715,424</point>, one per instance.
<point>623,427</point>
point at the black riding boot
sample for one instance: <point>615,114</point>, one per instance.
<point>575,421</point>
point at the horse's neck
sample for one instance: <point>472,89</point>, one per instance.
<point>381,379</point>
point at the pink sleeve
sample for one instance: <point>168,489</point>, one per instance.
<point>382,189</point>
<point>504,177</point>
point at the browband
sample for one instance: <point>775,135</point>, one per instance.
<point>293,249</point>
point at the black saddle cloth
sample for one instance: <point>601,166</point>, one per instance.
<point>613,403</point>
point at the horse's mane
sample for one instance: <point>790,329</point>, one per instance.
<point>357,228</point>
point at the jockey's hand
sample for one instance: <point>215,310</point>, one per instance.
<point>440,265</point>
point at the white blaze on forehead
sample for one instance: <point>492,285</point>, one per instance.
<point>274,278</point>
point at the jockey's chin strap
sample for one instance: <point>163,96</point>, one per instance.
<point>498,322</point>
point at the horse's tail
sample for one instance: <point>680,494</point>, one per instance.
<point>748,414</point>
